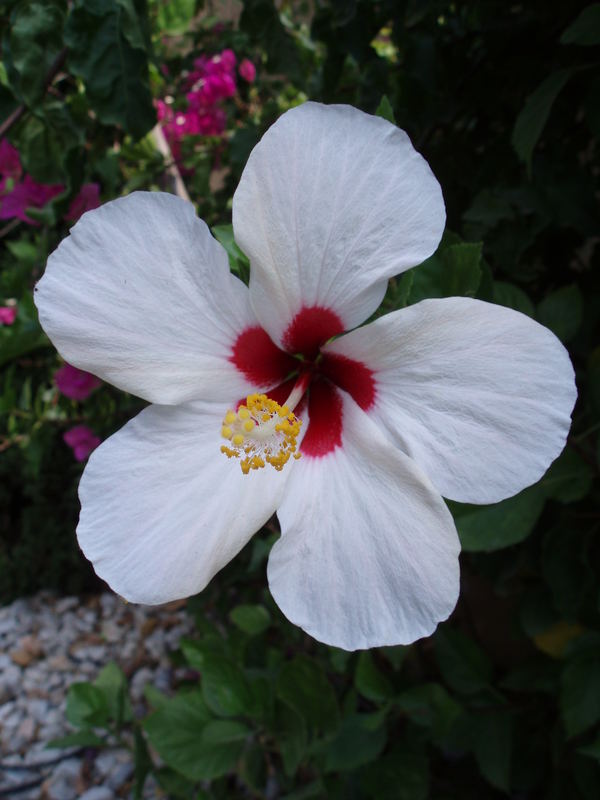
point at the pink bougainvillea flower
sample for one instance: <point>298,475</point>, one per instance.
<point>452,397</point>
<point>24,195</point>
<point>82,440</point>
<point>86,199</point>
<point>8,314</point>
<point>75,383</point>
<point>247,70</point>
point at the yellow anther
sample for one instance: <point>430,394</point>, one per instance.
<point>261,432</point>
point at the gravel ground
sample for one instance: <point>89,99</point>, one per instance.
<point>48,643</point>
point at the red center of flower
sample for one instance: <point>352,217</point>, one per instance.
<point>265,364</point>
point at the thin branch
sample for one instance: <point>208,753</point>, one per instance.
<point>171,169</point>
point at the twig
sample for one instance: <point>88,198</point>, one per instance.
<point>20,110</point>
<point>8,228</point>
<point>171,167</point>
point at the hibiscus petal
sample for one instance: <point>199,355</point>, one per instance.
<point>163,510</point>
<point>368,554</point>
<point>141,295</point>
<point>477,394</point>
<point>331,203</point>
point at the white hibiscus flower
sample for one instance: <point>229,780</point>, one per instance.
<point>452,397</point>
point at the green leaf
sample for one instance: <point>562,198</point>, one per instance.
<point>113,684</point>
<point>87,706</point>
<point>221,731</point>
<point>492,733</point>
<point>585,29</point>
<point>580,691</point>
<point>385,110</point>
<point>562,311</point>
<point>430,706</point>
<point>174,16</point>
<point>463,664</point>
<point>303,685</point>
<point>356,743</point>
<point>289,731</point>
<point>143,763</point>
<point>238,261</point>
<point>224,686</point>
<point>534,115</point>
<point>370,681</point>
<point>46,141</point>
<point>35,43</point>
<point>251,619</point>
<point>511,296</point>
<point>487,528</point>
<point>79,739</point>
<point>397,776</point>
<point>592,750</point>
<point>105,50</point>
<point>176,731</point>
<point>455,269</point>
<point>569,478</point>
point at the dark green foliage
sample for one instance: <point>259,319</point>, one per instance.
<point>503,100</point>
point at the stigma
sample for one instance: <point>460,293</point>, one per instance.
<point>261,432</point>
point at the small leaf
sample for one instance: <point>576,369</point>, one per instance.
<point>113,684</point>
<point>35,43</point>
<point>303,685</point>
<point>534,115</point>
<point>174,16</point>
<point>464,666</point>
<point>87,706</point>
<point>511,296</point>
<point>562,311</point>
<point>385,110</point>
<point>592,750</point>
<point>106,51</point>
<point>291,736</point>
<point>487,528</point>
<point>79,739</point>
<point>356,743</point>
<point>224,685</point>
<point>580,689</point>
<point>370,681</point>
<point>492,733</point>
<point>585,29</point>
<point>251,619</point>
<point>224,730</point>
<point>569,478</point>
<point>176,731</point>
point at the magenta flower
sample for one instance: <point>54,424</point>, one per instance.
<point>82,440</point>
<point>247,70</point>
<point>87,199</point>
<point>8,315</point>
<point>27,194</point>
<point>75,383</point>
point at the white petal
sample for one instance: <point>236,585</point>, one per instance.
<point>477,394</point>
<point>141,295</point>
<point>331,203</point>
<point>163,509</point>
<point>368,554</point>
